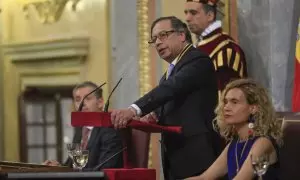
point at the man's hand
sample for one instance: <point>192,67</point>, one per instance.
<point>51,163</point>
<point>149,118</point>
<point>121,117</point>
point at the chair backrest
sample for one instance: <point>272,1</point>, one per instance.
<point>137,142</point>
<point>290,151</point>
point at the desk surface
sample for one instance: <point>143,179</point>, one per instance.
<point>55,175</point>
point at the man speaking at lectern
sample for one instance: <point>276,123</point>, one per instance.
<point>186,96</point>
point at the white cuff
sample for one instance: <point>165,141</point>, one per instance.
<point>138,110</point>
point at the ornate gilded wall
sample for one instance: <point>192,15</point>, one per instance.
<point>1,82</point>
<point>50,43</point>
<point>98,40</point>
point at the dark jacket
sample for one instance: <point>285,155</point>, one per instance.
<point>188,99</point>
<point>103,143</point>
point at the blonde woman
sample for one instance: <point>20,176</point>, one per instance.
<point>246,119</point>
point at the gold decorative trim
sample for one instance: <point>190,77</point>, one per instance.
<point>236,61</point>
<point>222,44</point>
<point>215,63</point>
<point>51,80</point>
<point>229,54</point>
<point>220,59</point>
<point>50,72</point>
<point>144,62</point>
<point>49,11</point>
<point>205,41</point>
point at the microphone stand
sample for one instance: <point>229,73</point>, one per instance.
<point>107,102</point>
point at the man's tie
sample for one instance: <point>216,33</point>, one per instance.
<point>85,136</point>
<point>171,66</point>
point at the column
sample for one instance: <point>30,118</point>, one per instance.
<point>267,33</point>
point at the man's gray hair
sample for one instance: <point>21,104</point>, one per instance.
<point>97,93</point>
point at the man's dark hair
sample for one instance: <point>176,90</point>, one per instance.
<point>177,25</point>
<point>208,8</point>
<point>97,93</point>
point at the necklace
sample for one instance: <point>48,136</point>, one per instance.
<point>236,154</point>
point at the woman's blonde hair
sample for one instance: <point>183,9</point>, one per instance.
<point>265,123</point>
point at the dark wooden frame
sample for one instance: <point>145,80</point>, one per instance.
<point>42,94</point>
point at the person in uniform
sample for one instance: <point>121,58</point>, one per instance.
<point>227,56</point>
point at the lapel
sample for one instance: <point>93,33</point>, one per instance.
<point>163,78</point>
<point>93,137</point>
<point>180,60</point>
<point>179,63</point>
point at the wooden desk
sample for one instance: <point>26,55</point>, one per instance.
<point>8,166</point>
<point>17,170</point>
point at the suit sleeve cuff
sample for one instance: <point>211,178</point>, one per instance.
<point>138,110</point>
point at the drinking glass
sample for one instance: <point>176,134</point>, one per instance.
<point>71,148</point>
<point>80,158</point>
<point>260,164</point>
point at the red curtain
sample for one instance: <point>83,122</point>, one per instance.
<point>296,90</point>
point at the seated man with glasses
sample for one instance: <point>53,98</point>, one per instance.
<point>186,96</point>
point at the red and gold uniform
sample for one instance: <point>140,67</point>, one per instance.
<point>227,56</point>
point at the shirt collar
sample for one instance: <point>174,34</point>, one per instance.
<point>213,26</point>
<point>89,127</point>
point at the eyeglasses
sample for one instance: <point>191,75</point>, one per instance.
<point>163,35</point>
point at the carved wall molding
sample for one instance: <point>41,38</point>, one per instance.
<point>49,11</point>
<point>46,63</point>
<point>43,50</point>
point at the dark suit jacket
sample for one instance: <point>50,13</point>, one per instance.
<point>103,143</point>
<point>188,99</point>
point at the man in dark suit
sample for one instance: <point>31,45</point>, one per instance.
<point>186,96</point>
<point>102,143</point>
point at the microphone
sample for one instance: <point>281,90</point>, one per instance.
<point>82,101</point>
<point>107,102</point>
<point>109,158</point>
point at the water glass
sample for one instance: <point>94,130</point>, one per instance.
<point>80,158</point>
<point>260,164</point>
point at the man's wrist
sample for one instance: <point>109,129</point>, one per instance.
<point>137,110</point>
<point>133,110</point>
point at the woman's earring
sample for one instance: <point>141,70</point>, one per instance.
<point>251,124</point>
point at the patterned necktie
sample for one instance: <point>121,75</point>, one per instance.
<point>85,137</point>
<point>171,66</point>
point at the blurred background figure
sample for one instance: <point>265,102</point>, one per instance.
<point>102,143</point>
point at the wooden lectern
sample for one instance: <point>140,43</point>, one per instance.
<point>130,171</point>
